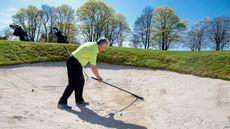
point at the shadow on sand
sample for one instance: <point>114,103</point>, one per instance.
<point>90,116</point>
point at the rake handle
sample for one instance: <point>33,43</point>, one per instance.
<point>139,97</point>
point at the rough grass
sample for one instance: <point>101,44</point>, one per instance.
<point>215,64</point>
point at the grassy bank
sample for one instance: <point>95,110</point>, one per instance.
<point>206,63</point>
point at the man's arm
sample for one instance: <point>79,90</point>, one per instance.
<point>95,72</point>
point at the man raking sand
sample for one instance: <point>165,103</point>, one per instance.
<point>86,53</point>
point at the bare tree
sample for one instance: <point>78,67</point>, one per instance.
<point>195,39</point>
<point>219,32</point>
<point>48,21</point>
<point>39,25</point>
<point>46,12</point>
<point>142,27</point>
<point>6,33</point>
<point>136,40</point>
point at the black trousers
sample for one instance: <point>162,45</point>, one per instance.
<point>75,81</point>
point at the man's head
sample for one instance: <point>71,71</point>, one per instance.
<point>102,44</point>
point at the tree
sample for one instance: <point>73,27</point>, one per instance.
<point>117,30</point>
<point>38,23</point>
<point>66,21</point>
<point>48,20</point>
<point>110,29</point>
<point>44,20</point>
<point>29,18</point>
<point>20,18</point>
<point>6,33</point>
<point>135,39</point>
<point>53,17</point>
<point>167,27</point>
<point>196,37</point>
<point>219,32</point>
<point>123,29</point>
<point>142,27</point>
<point>93,17</point>
<point>33,20</point>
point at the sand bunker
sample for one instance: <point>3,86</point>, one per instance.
<point>29,95</point>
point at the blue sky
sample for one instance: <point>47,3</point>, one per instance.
<point>191,10</point>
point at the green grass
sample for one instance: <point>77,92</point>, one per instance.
<point>212,64</point>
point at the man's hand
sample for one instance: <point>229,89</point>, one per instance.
<point>94,69</point>
<point>99,79</point>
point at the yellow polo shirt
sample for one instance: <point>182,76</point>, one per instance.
<point>86,53</point>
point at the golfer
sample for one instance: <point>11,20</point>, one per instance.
<point>86,53</point>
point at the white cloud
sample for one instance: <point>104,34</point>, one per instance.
<point>12,9</point>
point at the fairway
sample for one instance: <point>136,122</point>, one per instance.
<point>29,94</point>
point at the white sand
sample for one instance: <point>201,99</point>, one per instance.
<point>172,100</point>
